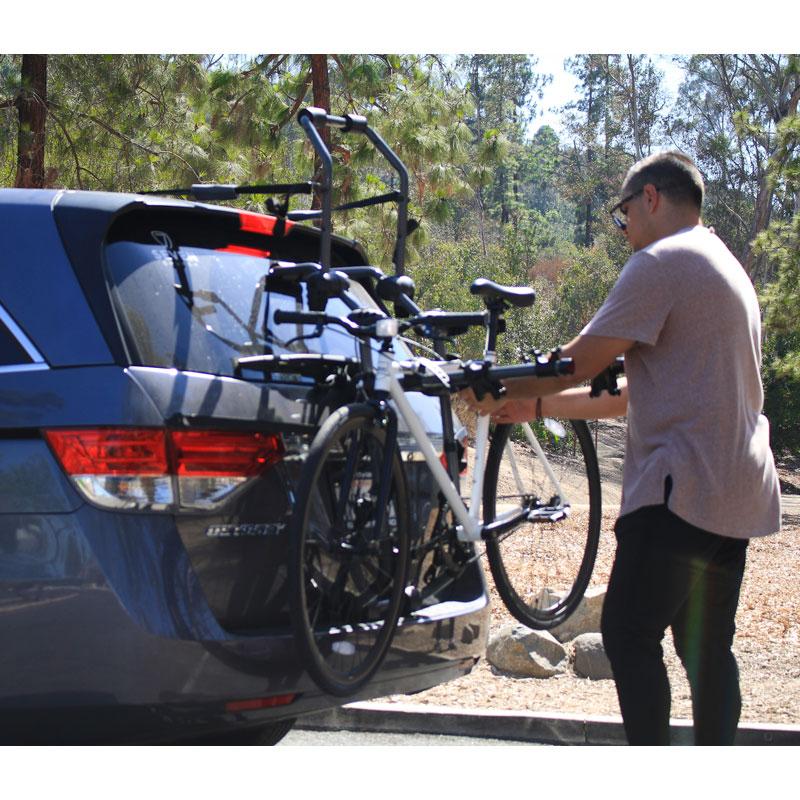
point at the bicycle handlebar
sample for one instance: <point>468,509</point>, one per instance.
<point>306,318</point>
<point>482,377</point>
<point>453,323</point>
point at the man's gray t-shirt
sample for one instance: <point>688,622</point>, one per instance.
<point>694,386</point>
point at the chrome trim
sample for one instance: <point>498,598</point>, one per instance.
<point>38,367</point>
<point>24,342</point>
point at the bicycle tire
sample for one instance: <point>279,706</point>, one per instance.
<point>347,586</point>
<point>542,569</point>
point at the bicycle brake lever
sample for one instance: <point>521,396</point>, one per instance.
<point>607,379</point>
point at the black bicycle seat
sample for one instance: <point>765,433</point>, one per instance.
<point>519,296</point>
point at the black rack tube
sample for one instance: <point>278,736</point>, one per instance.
<point>307,122</point>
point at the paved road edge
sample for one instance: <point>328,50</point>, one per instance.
<point>516,726</point>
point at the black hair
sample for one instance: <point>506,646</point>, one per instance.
<point>671,172</point>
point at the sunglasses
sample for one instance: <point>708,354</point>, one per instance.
<point>620,212</point>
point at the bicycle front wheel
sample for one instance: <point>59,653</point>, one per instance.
<point>348,551</point>
<point>542,568</point>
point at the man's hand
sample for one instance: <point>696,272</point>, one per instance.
<point>482,407</point>
<point>515,411</point>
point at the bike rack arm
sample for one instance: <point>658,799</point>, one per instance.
<point>309,118</point>
<point>402,203</point>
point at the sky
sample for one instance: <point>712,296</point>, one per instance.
<point>408,26</point>
<point>562,89</point>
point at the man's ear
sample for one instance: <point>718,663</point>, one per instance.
<point>652,196</point>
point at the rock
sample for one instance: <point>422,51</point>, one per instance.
<point>586,617</point>
<point>591,660</point>
<point>521,651</point>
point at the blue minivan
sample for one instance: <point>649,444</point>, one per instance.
<point>146,480</point>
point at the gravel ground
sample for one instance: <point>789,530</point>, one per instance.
<point>767,644</point>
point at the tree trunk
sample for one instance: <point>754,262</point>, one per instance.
<point>754,264</point>
<point>321,93</point>
<point>505,214</point>
<point>32,108</point>
<point>634,110</point>
<point>589,166</point>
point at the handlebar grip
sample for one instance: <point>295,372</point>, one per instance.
<point>299,317</point>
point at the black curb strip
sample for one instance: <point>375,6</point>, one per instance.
<point>517,726</point>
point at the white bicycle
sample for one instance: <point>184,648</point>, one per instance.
<point>353,568</point>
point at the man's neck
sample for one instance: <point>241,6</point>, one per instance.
<point>673,224</point>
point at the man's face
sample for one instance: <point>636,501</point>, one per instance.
<point>634,211</point>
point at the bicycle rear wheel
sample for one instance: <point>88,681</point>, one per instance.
<point>542,568</point>
<point>348,552</point>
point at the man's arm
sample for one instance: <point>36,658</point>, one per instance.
<point>591,355</point>
<point>574,403</point>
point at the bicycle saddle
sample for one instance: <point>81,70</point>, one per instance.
<point>519,296</point>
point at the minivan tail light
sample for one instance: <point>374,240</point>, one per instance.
<point>118,451</point>
<point>159,470</point>
<point>224,453</point>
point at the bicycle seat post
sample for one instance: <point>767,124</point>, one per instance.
<point>496,307</point>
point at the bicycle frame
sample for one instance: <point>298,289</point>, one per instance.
<point>388,375</point>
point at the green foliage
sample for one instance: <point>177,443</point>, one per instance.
<point>780,375</point>
<point>494,199</point>
<point>780,245</point>
<point>584,284</point>
<point>731,106</point>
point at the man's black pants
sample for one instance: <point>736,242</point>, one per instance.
<point>669,573</point>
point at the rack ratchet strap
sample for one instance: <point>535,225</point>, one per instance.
<point>389,197</point>
<point>229,191</point>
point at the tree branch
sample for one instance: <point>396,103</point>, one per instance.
<point>300,97</point>
<point>259,66</point>
<point>350,99</point>
<point>793,100</point>
<point>149,150</point>
<point>71,147</point>
<point>755,73</point>
<point>240,98</point>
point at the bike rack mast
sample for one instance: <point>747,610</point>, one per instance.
<point>309,118</point>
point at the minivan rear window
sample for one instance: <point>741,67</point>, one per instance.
<point>199,309</point>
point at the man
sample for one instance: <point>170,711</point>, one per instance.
<point>699,478</point>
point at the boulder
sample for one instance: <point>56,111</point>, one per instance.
<point>586,617</point>
<point>523,652</point>
<point>591,660</point>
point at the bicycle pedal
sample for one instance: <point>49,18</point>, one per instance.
<point>545,514</point>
